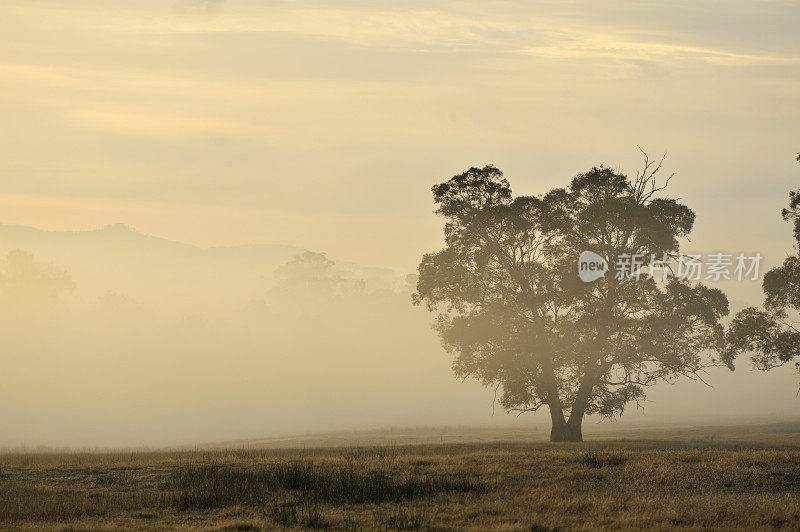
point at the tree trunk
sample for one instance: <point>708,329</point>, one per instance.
<point>561,429</point>
<point>570,430</point>
<point>566,432</point>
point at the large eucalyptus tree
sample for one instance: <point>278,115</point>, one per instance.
<point>511,307</point>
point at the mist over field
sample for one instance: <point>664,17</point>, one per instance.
<point>115,338</point>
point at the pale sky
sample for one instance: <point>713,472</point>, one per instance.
<point>324,124</point>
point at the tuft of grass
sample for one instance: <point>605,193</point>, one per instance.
<point>239,526</point>
<point>215,486</point>
<point>22,500</point>
<point>116,479</point>
<point>288,513</point>
<point>691,457</point>
<point>314,515</point>
<point>284,513</point>
<point>201,487</point>
<point>406,518</point>
<point>371,453</point>
<point>598,459</point>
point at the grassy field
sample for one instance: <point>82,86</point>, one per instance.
<point>642,484</point>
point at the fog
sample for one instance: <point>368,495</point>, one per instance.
<point>113,338</point>
<point>212,209</point>
<point>144,341</point>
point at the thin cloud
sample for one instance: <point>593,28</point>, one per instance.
<point>600,46</point>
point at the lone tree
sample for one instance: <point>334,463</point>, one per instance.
<point>772,334</point>
<point>515,314</point>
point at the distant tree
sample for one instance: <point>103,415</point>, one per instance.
<point>771,335</point>
<point>513,311</point>
<point>308,272</point>
<point>23,277</point>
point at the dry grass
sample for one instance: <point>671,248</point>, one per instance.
<point>612,485</point>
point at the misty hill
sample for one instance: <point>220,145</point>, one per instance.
<point>118,260</point>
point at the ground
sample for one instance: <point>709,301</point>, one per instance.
<point>691,483</point>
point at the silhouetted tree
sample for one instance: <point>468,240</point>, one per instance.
<point>512,309</point>
<point>772,334</point>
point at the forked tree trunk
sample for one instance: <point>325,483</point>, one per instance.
<point>570,430</point>
<point>563,430</point>
<point>566,432</point>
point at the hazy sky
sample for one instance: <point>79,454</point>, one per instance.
<point>324,124</point>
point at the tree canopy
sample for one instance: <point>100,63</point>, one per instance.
<point>512,309</point>
<point>771,335</point>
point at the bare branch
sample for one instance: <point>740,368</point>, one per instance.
<point>646,185</point>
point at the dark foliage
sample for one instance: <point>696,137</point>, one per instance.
<point>771,335</point>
